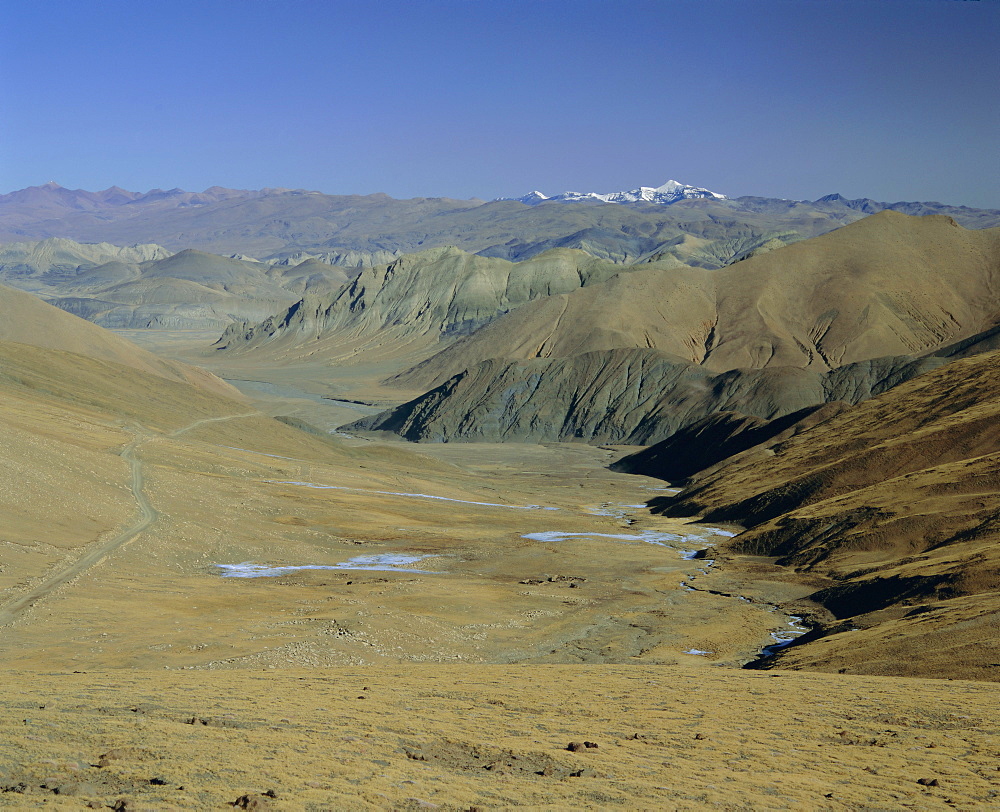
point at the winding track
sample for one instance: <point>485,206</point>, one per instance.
<point>147,517</point>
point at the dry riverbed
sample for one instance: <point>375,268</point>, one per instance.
<point>488,555</point>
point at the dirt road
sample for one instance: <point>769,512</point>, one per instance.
<point>148,515</point>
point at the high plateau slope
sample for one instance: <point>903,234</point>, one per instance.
<point>26,319</point>
<point>511,600</point>
<point>457,736</point>
<point>892,506</point>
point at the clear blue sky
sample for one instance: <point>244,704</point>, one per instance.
<point>889,99</point>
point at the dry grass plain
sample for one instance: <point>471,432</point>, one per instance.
<point>136,676</point>
<point>463,737</point>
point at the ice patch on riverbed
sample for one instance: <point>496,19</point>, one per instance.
<point>647,537</point>
<point>698,651</point>
<point>382,562</point>
<point>669,540</point>
<point>409,495</point>
<point>616,511</point>
<point>260,453</point>
<point>783,639</point>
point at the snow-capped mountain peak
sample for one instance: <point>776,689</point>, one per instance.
<point>533,197</point>
<point>669,192</point>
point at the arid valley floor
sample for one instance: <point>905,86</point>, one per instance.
<point>439,657</point>
<point>467,406</point>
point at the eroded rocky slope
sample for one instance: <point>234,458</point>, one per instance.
<point>435,295</point>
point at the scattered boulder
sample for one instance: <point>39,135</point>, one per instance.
<point>253,802</point>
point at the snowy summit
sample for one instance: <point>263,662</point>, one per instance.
<point>669,192</point>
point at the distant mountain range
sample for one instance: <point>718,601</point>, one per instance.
<point>673,222</point>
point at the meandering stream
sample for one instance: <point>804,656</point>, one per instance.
<point>687,546</point>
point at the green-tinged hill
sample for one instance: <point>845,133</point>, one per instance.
<point>147,286</point>
<point>190,289</point>
<point>41,266</point>
<point>418,300</point>
<point>312,275</point>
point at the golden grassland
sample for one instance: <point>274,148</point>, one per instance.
<point>135,676</point>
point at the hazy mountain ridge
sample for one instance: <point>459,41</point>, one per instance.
<point>148,286</point>
<point>358,230</point>
<point>39,265</point>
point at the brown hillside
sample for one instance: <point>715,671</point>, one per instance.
<point>896,504</point>
<point>26,319</point>
<point>888,285</point>
<point>671,310</point>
